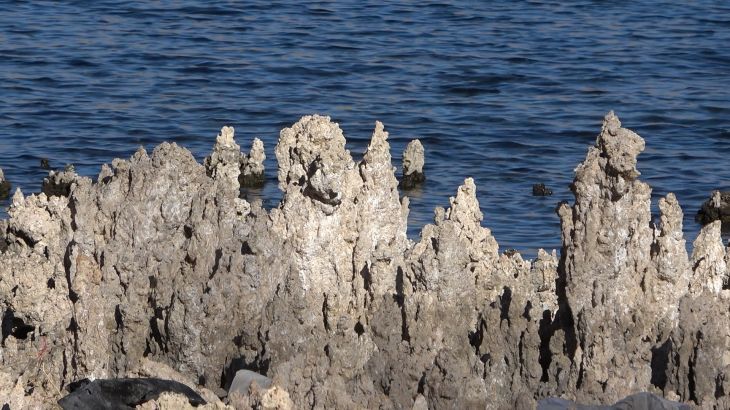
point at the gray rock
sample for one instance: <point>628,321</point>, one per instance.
<point>252,165</point>
<point>59,183</point>
<point>717,208</point>
<point>413,161</point>
<point>244,378</point>
<point>638,401</point>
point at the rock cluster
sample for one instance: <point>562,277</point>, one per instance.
<point>541,190</point>
<point>160,261</point>
<point>717,208</point>
<point>59,183</point>
<point>413,161</point>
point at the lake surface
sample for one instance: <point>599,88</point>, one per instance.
<point>511,93</point>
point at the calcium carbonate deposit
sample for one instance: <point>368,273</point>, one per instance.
<point>159,269</point>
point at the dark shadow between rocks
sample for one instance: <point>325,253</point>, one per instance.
<point>660,364</point>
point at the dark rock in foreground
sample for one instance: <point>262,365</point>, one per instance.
<point>161,261</point>
<point>119,394</point>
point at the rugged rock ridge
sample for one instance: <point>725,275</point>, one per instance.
<point>161,261</point>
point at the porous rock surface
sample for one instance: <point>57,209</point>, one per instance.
<point>717,208</point>
<point>412,164</point>
<point>59,183</point>
<point>161,262</point>
<point>252,165</point>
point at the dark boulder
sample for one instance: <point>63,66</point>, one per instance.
<point>123,394</point>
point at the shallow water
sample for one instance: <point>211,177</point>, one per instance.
<point>511,93</point>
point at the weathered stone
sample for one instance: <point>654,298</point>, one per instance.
<point>159,269</point>
<point>59,183</point>
<point>252,166</point>
<point>639,401</point>
<point>717,208</point>
<point>122,393</point>
<point>413,161</point>
<point>243,380</point>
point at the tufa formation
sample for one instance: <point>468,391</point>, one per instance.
<point>160,263</point>
<point>413,160</point>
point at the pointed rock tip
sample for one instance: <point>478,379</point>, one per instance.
<point>141,154</point>
<point>379,137</point>
<point>611,123</point>
<point>469,186</point>
<point>379,127</point>
<point>18,197</point>
<point>226,137</point>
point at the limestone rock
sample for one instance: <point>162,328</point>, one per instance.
<point>717,208</point>
<point>243,380</point>
<point>222,164</point>
<point>175,401</point>
<point>252,166</point>
<point>159,269</point>
<point>607,241</point>
<point>273,398</point>
<point>59,183</point>
<point>413,161</point>
<point>344,227</point>
<point>708,261</point>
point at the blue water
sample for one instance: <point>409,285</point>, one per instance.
<point>511,93</point>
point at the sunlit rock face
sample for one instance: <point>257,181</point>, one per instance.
<point>161,261</point>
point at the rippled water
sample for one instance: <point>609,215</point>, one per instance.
<point>511,93</point>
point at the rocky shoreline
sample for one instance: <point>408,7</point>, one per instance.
<point>160,264</point>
